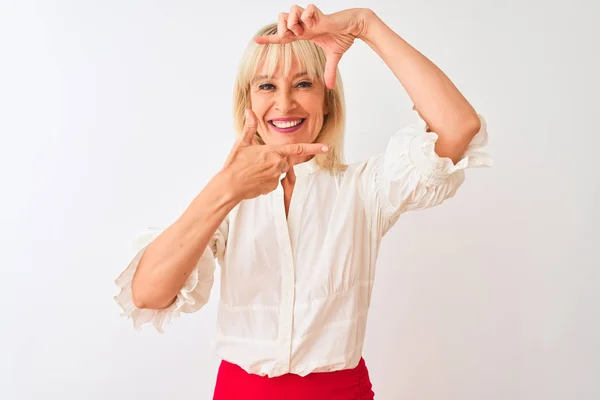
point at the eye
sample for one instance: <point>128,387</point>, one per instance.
<point>266,86</point>
<point>305,84</point>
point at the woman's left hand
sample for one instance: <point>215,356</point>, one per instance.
<point>335,33</point>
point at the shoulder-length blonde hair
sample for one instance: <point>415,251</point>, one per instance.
<point>312,60</point>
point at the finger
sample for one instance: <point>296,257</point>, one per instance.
<point>249,127</point>
<point>282,25</point>
<point>293,21</point>
<point>275,39</point>
<point>333,59</point>
<point>308,16</point>
<point>302,149</point>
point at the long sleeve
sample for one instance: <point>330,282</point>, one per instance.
<point>409,175</point>
<point>193,295</point>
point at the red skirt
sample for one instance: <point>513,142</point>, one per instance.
<point>233,383</point>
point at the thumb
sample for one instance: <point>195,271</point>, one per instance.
<point>250,125</point>
<point>331,65</point>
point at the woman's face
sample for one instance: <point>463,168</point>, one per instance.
<point>289,109</point>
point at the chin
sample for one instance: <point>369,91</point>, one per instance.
<point>275,138</point>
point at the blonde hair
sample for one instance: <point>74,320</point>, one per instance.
<point>312,60</point>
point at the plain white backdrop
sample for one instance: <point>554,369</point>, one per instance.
<point>114,114</point>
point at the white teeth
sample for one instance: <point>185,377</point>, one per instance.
<point>287,124</point>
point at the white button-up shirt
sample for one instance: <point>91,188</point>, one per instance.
<point>295,291</point>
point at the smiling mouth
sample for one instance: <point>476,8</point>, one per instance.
<point>287,126</point>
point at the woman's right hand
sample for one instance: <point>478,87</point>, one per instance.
<point>253,169</point>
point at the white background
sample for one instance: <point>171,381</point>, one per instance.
<point>114,114</point>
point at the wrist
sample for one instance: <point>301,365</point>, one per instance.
<point>211,205</point>
<point>369,23</point>
<point>226,187</point>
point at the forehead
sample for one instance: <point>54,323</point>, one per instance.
<point>275,64</point>
<point>286,61</point>
<point>279,71</point>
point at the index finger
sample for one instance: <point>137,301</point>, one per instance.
<point>274,39</point>
<point>302,149</point>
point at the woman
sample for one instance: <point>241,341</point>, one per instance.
<point>296,231</point>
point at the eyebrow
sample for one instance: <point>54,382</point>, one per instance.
<point>262,77</point>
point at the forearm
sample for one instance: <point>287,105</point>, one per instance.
<point>436,98</point>
<point>172,256</point>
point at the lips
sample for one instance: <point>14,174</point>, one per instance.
<point>286,125</point>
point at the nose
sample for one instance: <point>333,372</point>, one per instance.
<point>284,102</point>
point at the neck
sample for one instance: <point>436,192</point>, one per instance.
<point>299,160</point>
<point>289,178</point>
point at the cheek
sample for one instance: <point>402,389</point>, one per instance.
<point>314,105</point>
<point>317,112</point>
<point>259,106</point>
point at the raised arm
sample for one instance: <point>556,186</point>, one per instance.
<point>438,101</point>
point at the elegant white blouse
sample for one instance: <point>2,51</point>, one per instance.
<point>295,292</point>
